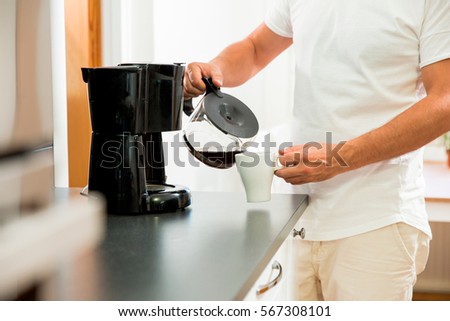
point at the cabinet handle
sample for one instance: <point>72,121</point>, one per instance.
<point>266,287</point>
<point>300,233</point>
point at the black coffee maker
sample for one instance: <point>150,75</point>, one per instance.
<point>130,106</point>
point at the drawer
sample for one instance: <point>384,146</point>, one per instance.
<point>271,284</point>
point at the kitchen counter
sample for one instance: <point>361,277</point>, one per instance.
<point>213,250</point>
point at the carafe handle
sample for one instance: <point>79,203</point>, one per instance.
<point>188,107</point>
<point>211,88</point>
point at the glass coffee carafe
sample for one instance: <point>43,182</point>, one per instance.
<point>220,127</point>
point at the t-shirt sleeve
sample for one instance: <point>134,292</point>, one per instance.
<point>278,18</point>
<point>435,35</point>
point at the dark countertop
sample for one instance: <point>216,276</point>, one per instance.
<point>213,250</point>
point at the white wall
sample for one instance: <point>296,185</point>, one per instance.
<point>168,31</point>
<point>58,49</point>
<point>128,34</point>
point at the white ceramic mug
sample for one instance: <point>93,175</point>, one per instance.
<point>256,170</point>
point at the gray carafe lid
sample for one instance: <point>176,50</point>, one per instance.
<point>228,113</point>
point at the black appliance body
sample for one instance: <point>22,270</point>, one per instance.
<point>130,106</point>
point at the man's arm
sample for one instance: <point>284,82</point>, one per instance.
<point>412,129</point>
<point>236,63</point>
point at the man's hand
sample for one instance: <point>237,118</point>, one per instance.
<point>195,71</point>
<point>313,162</point>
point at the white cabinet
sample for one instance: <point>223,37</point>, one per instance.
<point>271,284</point>
<point>276,281</point>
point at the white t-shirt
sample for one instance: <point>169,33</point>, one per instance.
<point>357,67</point>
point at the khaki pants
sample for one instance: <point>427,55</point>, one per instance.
<point>378,265</point>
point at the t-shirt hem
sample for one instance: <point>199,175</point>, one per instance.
<point>330,236</point>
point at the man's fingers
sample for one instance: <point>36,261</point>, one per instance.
<point>290,159</point>
<point>301,173</point>
<point>193,82</point>
<point>292,149</point>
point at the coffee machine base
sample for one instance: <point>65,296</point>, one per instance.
<point>165,198</point>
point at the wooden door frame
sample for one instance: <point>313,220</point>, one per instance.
<point>83,49</point>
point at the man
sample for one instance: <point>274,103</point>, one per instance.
<point>360,65</point>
